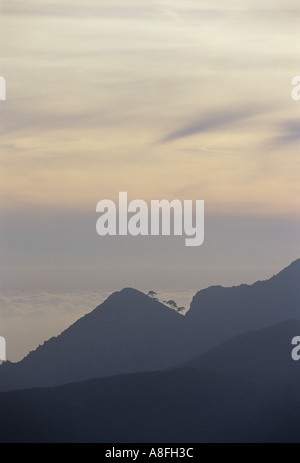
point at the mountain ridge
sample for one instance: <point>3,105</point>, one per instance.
<point>131,332</point>
<point>242,308</point>
<point>128,332</point>
<point>256,355</point>
<point>191,403</point>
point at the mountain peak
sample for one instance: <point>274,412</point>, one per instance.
<point>227,312</point>
<point>129,298</point>
<point>128,332</point>
<point>291,270</point>
<point>128,293</point>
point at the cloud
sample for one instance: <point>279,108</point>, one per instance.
<point>14,304</point>
<point>28,318</point>
<point>210,123</point>
<point>78,8</point>
<point>290,133</point>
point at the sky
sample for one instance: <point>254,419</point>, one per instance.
<point>162,99</point>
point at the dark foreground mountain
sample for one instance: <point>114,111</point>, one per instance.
<point>218,400</point>
<point>130,332</point>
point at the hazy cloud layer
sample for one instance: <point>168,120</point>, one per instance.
<point>289,133</point>
<point>212,122</point>
<point>29,318</point>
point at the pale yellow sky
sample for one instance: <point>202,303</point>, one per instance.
<point>187,99</point>
<point>162,99</point>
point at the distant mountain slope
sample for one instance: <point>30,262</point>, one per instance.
<point>130,332</point>
<point>219,313</point>
<point>262,356</point>
<point>245,390</point>
<point>185,405</point>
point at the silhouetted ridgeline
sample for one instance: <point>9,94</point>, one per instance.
<point>219,313</point>
<point>217,400</point>
<point>130,332</point>
<point>222,373</point>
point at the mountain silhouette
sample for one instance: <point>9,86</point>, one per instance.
<point>237,392</point>
<point>219,313</point>
<point>128,332</point>
<point>131,332</point>
<point>263,355</point>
